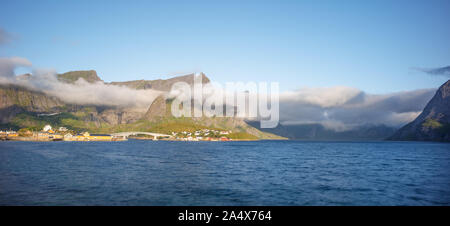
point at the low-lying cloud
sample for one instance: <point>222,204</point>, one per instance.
<point>80,92</point>
<point>343,108</point>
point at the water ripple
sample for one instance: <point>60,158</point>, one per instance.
<point>224,173</point>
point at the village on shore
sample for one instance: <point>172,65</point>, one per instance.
<point>63,134</point>
<point>60,134</point>
<point>203,135</point>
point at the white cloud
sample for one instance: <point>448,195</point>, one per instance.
<point>9,64</point>
<point>341,108</point>
<point>324,97</point>
<point>81,92</point>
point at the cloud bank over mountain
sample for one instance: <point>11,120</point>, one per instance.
<point>80,92</point>
<point>342,108</point>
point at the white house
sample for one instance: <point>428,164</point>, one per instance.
<point>47,128</point>
<point>62,129</point>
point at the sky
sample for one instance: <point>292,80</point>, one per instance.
<point>378,46</point>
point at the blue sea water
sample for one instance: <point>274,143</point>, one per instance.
<point>137,172</point>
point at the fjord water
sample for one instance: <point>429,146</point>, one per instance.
<point>224,173</point>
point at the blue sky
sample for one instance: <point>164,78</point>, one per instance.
<point>373,46</point>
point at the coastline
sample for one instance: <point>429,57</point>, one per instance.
<point>31,139</point>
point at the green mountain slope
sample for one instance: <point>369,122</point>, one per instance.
<point>433,124</point>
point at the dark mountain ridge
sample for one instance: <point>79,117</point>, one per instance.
<point>433,124</point>
<point>317,132</point>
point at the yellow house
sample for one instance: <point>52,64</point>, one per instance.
<point>81,137</point>
<point>57,136</point>
<point>43,135</point>
<point>100,137</point>
<point>85,136</point>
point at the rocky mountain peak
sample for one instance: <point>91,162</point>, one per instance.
<point>157,109</point>
<point>72,76</point>
<point>433,124</point>
<point>162,84</point>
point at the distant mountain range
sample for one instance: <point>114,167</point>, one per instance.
<point>318,132</point>
<point>433,124</point>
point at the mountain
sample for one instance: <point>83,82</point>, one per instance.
<point>72,76</point>
<point>157,109</point>
<point>433,124</point>
<point>15,100</point>
<point>316,131</point>
<point>160,84</point>
<point>21,107</point>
